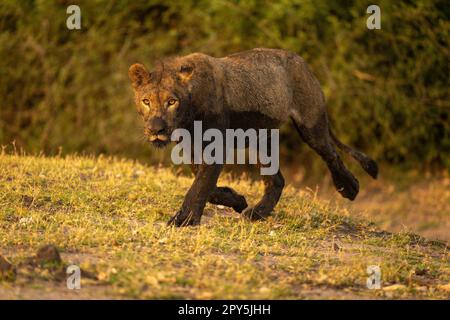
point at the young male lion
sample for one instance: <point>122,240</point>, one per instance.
<point>259,88</point>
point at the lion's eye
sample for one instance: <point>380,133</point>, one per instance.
<point>171,101</point>
<point>146,102</point>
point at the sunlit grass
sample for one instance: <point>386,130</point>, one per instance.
<point>109,215</point>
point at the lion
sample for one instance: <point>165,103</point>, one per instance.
<point>259,88</point>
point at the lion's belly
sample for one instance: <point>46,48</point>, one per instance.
<point>249,119</point>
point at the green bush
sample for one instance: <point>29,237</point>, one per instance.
<point>386,89</point>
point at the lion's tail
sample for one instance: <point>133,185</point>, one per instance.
<point>368,164</point>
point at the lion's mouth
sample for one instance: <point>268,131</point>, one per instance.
<point>159,140</point>
<point>161,137</point>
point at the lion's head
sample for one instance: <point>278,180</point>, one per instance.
<point>163,98</point>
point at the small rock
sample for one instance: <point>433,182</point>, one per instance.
<point>48,254</point>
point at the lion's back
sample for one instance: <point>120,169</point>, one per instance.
<point>258,80</point>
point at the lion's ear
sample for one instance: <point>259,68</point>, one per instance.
<point>138,75</point>
<point>186,72</point>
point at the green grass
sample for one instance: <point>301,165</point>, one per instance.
<point>109,216</point>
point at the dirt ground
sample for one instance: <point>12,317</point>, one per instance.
<point>419,205</point>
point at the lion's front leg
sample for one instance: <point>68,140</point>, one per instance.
<point>194,202</point>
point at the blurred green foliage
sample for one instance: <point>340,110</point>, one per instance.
<point>387,90</point>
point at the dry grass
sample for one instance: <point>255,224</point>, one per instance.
<point>108,216</point>
<point>396,202</point>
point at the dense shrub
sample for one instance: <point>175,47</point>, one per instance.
<point>386,89</point>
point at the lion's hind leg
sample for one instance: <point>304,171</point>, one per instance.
<point>318,138</point>
<point>274,185</point>
<point>225,196</point>
<point>228,197</point>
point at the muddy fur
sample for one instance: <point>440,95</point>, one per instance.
<point>259,88</point>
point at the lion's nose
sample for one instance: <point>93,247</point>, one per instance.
<point>157,125</point>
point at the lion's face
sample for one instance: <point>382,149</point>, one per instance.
<point>163,101</point>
